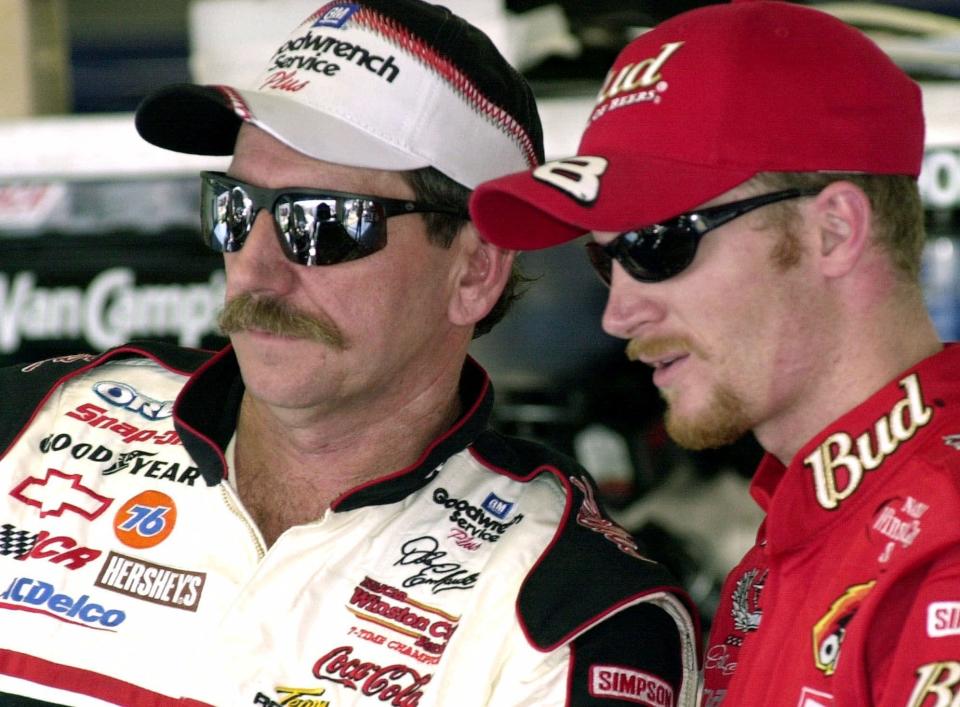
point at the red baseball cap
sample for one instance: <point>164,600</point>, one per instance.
<point>702,103</point>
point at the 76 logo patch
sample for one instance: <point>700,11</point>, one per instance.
<point>145,520</point>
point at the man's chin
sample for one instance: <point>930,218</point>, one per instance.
<point>723,422</point>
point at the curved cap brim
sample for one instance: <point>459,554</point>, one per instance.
<point>205,120</point>
<point>524,211</point>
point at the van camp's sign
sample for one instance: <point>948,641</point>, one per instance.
<point>110,309</point>
<point>63,293</point>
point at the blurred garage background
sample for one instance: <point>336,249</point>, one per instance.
<point>100,244</point>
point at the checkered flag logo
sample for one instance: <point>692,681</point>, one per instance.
<point>16,542</point>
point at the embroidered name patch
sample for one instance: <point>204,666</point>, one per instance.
<point>631,685</point>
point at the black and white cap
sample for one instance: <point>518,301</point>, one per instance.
<point>383,84</point>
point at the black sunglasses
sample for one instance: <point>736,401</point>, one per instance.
<point>314,226</point>
<point>657,252</point>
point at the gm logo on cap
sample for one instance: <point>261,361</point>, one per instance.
<point>335,15</point>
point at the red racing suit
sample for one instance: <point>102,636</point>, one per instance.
<point>131,574</point>
<point>851,595</point>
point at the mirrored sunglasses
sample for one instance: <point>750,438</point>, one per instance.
<point>314,226</point>
<point>655,253</point>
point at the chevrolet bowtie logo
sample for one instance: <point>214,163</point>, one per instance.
<point>57,493</point>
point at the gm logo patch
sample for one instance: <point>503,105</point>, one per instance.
<point>495,505</point>
<point>145,520</point>
<point>335,14</point>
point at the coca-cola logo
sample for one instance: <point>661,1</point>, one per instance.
<point>398,684</point>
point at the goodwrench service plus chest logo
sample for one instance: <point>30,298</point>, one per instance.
<point>486,522</point>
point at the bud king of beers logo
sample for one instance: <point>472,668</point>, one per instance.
<point>641,82</point>
<point>154,583</point>
<point>838,466</point>
<point>402,685</point>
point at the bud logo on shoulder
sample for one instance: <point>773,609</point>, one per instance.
<point>145,520</point>
<point>577,177</point>
<point>837,453</point>
<point>334,14</point>
<point>57,493</point>
<point>39,597</point>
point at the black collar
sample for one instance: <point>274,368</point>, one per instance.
<point>206,412</point>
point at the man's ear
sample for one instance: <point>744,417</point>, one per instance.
<point>482,272</point>
<point>842,218</point>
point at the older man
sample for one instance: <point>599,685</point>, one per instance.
<point>320,513</point>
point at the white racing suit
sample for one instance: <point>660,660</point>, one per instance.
<point>130,573</point>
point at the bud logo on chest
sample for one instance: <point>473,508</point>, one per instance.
<point>839,464</point>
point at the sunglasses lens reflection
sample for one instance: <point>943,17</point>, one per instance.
<point>313,230</point>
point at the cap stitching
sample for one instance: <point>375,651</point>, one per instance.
<point>446,70</point>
